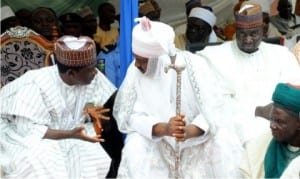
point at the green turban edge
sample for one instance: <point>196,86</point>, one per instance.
<point>287,96</point>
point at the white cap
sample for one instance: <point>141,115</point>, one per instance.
<point>6,12</point>
<point>152,39</point>
<point>265,4</point>
<point>204,14</point>
<point>207,16</point>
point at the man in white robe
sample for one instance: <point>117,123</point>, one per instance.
<point>44,133</point>
<point>145,110</point>
<point>249,70</point>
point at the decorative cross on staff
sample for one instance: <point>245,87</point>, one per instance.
<point>178,70</point>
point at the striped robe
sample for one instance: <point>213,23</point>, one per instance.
<point>40,100</point>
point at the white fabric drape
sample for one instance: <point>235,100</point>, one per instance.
<point>151,99</point>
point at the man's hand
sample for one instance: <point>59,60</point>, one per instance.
<point>76,133</point>
<point>176,127</point>
<point>97,113</point>
<point>79,133</point>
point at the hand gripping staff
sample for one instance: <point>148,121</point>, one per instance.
<point>178,69</point>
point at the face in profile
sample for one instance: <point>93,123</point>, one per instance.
<point>284,124</point>
<point>197,31</point>
<point>141,63</point>
<point>248,39</point>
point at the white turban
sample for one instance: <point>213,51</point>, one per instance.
<point>6,12</point>
<point>204,14</point>
<point>207,16</point>
<point>151,39</point>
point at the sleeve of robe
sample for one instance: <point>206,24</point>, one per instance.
<point>131,117</point>
<point>29,113</point>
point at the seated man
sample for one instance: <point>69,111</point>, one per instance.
<point>249,70</point>
<point>44,131</point>
<point>199,29</point>
<point>145,109</point>
<point>268,156</point>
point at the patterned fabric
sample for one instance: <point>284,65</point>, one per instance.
<point>249,16</point>
<point>73,51</point>
<point>19,57</point>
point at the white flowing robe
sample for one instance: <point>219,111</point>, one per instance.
<point>292,170</point>
<point>40,100</point>
<point>147,99</point>
<point>248,80</point>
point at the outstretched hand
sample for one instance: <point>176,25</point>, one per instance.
<point>79,133</point>
<point>97,113</point>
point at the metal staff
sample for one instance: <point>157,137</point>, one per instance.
<point>178,70</point>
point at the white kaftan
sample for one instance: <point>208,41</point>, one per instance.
<point>248,81</point>
<point>147,99</point>
<point>293,169</point>
<point>39,100</point>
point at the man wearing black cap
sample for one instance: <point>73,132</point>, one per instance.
<point>47,129</point>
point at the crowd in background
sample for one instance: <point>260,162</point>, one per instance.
<point>251,68</point>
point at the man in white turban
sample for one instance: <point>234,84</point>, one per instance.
<point>200,23</point>
<point>145,111</point>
